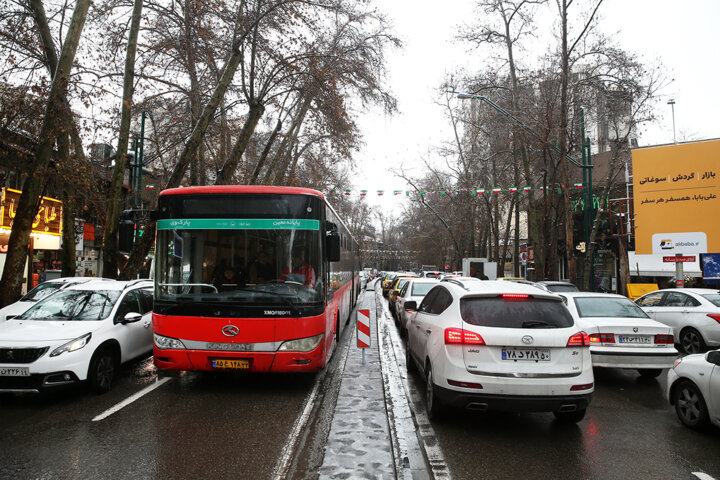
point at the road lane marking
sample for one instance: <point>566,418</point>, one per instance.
<point>131,399</point>
<point>703,476</point>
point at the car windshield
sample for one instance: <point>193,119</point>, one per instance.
<point>513,313</point>
<point>73,305</point>
<point>608,307</point>
<point>562,288</point>
<point>421,289</point>
<point>41,291</point>
<point>714,298</point>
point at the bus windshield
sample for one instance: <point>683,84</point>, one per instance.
<point>233,266</point>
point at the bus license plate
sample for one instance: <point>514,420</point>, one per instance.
<point>14,372</point>
<point>530,354</point>
<point>231,363</point>
<point>641,339</point>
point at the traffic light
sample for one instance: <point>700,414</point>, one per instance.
<point>126,232</point>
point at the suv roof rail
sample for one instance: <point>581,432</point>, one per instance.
<point>456,282</point>
<point>136,281</point>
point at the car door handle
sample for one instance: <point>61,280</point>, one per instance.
<point>428,331</point>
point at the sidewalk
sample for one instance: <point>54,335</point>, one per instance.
<point>372,435</point>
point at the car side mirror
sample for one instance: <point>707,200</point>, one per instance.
<point>332,242</point>
<point>713,357</point>
<point>131,317</point>
<point>410,306</point>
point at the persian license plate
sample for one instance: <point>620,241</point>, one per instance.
<point>14,372</point>
<point>637,339</point>
<point>236,364</point>
<point>529,354</point>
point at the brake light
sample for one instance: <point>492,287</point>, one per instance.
<point>602,338</point>
<point>514,296</point>
<point>665,339</point>
<point>459,336</point>
<point>714,316</point>
<point>580,339</point>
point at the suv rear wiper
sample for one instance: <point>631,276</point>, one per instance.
<point>536,324</point>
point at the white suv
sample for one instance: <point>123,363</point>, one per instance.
<point>83,332</point>
<point>495,345</point>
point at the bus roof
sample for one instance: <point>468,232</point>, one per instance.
<point>241,189</point>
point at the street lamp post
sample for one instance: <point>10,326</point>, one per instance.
<point>671,102</point>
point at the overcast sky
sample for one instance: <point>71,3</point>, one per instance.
<point>684,36</point>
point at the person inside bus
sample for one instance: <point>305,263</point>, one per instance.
<point>261,270</point>
<point>300,271</point>
<point>226,278</point>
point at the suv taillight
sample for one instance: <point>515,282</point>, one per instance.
<point>459,336</point>
<point>665,339</point>
<point>602,338</point>
<point>714,316</point>
<point>580,339</point>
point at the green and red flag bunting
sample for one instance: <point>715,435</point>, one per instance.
<point>449,192</point>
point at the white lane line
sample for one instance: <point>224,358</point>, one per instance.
<point>703,476</point>
<point>131,399</point>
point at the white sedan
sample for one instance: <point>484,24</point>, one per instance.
<point>83,332</point>
<point>621,334</point>
<point>38,293</point>
<point>694,389</point>
<point>693,314</point>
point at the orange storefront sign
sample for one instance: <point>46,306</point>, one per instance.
<point>48,219</point>
<point>677,198</point>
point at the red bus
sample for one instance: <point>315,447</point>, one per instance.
<point>250,278</point>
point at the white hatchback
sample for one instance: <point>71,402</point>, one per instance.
<point>694,389</point>
<point>693,314</point>
<point>83,332</point>
<point>621,334</point>
<point>491,345</point>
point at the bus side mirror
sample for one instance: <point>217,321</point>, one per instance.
<point>332,243</point>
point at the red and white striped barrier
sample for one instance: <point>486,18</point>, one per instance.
<point>363,328</point>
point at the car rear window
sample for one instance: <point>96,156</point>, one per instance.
<point>608,307</point>
<point>421,289</point>
<point>505,313</point>
<point>713,297</point>
<point>563,288</point>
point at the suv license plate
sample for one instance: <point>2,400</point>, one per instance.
<point>530,354</point>
<point>634,339</point>
<point>14,372</point>
<point>232,364</point>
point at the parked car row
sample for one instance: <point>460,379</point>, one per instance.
<point>81,331</point>
<point>516,345</point>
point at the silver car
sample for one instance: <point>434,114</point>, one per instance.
<point>693,314</point>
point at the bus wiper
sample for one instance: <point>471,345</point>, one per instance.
<point>535,324</point>
<point>283,298</point>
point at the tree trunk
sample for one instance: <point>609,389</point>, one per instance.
<point>226,173</point>
<point>68,235</point>
<point>265,152</point>
<point>110,235</point>
<point>10,285</point>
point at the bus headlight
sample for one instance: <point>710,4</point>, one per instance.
<point>167,342</point>
<point>302,344</point>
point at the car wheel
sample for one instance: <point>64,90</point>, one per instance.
<point>102,371</point>
<point>690,405</point>
<point>432,402</point>
<point>649,372</point>
<point>691,341</point>
<point>570,417</point>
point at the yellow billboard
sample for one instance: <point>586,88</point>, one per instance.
<point>677,198</point>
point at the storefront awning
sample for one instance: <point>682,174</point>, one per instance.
<point>653,266</point>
